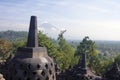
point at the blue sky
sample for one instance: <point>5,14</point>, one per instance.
<point>98,19</point>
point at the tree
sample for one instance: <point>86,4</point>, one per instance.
<point>97,62</point>
<point>62,52</point>
<point>52,48</point>
<point>61,40</point>
<point>17,44</point>
<point>117,59</point>
<point>66,50</point>
<point>45,41</point>
<point>88,46</point>
<point>5,48</point>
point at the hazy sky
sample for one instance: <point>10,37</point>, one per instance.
<point>98,19</point>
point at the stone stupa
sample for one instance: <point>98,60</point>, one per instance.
<point>31,62</point>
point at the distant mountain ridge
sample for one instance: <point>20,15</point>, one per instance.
<point>109,48</point>
<point>47,28</point>
<point>13,35</point>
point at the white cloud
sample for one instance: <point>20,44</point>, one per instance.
<point>96,29</point>
<point>99,19</point>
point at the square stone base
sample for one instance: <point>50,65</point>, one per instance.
<point>31,52</point>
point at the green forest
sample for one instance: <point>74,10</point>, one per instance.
<point>66,53</point>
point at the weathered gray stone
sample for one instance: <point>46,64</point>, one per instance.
<point>33,36</point>
<point>113,73</point>
<point>83,64</point>
<point>31,62</point>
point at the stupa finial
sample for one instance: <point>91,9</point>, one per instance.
<point>32,35</point>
